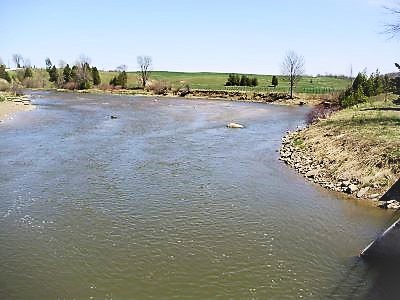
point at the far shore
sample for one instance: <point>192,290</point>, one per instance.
<point>237,96</point>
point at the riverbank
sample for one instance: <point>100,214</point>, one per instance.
<point>354,151</point>
<point>240,96</point>
<point>10,104</point>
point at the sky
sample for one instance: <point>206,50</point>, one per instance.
<point>253,36</point>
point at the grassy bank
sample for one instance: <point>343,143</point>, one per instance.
<point>357,147</point>
<point>216,81</point>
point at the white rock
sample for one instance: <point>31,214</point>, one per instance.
<point>234,125</point>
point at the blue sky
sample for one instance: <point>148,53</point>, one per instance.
<point>208,35</point>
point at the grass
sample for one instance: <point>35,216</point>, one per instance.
<point>216,81</point>
<point>361,142</point>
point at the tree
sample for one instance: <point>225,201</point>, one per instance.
<point>83,73</point>
<point>4,74</point>
<point>274,81</point>
<point>53,74</point>
<point>18,60</point>
<point>293,68</point>
<point>144,63</point>
<point>48,63</point>
<point>120,80</point>
<point>386,85</point>
<point>67,76</point>
<point>393,29</point>
<point>28,72</point>
<point>96,76</point>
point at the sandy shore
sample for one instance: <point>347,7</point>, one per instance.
<point>9,107</point>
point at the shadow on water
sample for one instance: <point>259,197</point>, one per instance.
<point>376,276</point>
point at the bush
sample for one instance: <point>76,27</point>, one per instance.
<point>160,87</point>
<point>70,85</point>
<point>321,111</point>
<point>4,85</point>
<point>31,82</point>
<point>105,86</point>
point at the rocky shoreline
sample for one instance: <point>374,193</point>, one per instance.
<point>315,171</point>
<point>11,104</point>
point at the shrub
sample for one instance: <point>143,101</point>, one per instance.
<point>70,85</point>
<point>4,85</point>
<point>31,82</point>
<point>160,87</point>
<point>321,111</point>
<point>105,86</point>
<point>4,74</point>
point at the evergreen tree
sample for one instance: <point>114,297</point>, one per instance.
<point>28,73</point>
<point>4,74</point>
<point>67,73</point>
<point>74,73</point>
<point>48,64</point>
<point>123,79</point>
<point>96,76</point>
<point>274,81</point>
<point>53,74</point>
<point>253,81</point>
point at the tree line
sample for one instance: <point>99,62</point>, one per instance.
<point>80,75</point>
<point>364,86</point>
<point>243,80</point>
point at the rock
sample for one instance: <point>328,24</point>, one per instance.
<point>351,189</point>
<point>382,204</point>
<point>113,117</point>
<point>373,196</point>
<point>394,205</point>
<point>392,202</point>
<point>361,193</point>
<point>346,183</point>
<point>312,173</point>
<point>234,125</point>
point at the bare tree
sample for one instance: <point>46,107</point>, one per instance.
<point>293,68</point>
<point>1,62</point>
<point>121,68</point>
<point>84,72</point>
<point>18,60</point>
<point>393,29</point>
<point>27,63</point>
<point>144,63</point>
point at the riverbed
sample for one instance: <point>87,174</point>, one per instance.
<point>164,201</point>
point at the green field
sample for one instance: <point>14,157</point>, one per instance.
<point>216,81</point>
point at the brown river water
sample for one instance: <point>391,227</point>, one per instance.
<point>165,202</point>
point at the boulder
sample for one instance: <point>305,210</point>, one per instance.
<point>382,204</point>
<point>351,189</point>
<point>234,125</point>
<point>394,205</point>
<point>361,193</point>
<point>312,173</point>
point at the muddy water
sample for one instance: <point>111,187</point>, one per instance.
<point>166,202</point>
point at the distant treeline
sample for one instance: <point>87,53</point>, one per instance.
<point>243,80</point>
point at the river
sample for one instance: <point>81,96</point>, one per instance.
<point>166,202</point>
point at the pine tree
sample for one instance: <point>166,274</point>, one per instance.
<point>53,74</point>
<point>4,74</point>
<point>67,73</point>
<point>74,73</point>
<point>123,79</point>
<point>274,81</point>
<point>28,73</point>
<point>96,76</point>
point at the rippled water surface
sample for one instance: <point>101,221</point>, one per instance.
<point>166,202</point>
